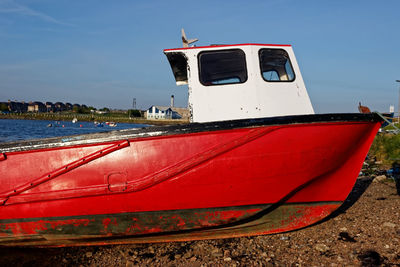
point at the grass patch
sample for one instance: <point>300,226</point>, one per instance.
<point>386,148</point>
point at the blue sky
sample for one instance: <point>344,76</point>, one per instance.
<point>105,53</point>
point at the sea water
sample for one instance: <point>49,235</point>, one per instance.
<point>14,130</point>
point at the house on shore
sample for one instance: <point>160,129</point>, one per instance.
<point>160,112</point>
<point>167,113</point>
<point>37,107</point>
<point>19,107</point>
<point>50,107</point>
<point>59,106</point>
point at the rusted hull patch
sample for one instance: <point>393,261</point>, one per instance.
<point>161,226</point>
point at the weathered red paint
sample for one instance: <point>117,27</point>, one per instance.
<point>40,226</point>
<point>184,182</point>
<point>61,170</point>
<point>284,218</point>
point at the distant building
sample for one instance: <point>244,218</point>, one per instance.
<point>17,106</point>
<point>59,106</point>
<point>36,107</point>
<point>160,112</point>
<point>50,107</point>
<point>171,112</point>
<point>183,112</point>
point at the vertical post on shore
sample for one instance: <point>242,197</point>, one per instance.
<point>398,106</point>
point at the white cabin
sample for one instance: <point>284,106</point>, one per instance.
<point>242,81</point>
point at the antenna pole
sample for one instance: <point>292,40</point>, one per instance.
<point>398,106</point>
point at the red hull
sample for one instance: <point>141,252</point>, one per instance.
<point>180,184</point>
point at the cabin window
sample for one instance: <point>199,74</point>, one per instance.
<point>275,65</point>
<point>222,67</point>
<point>178,62</point>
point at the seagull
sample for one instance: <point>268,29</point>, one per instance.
<point>185,41</point>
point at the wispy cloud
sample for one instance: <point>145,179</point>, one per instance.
<point>10,6</point>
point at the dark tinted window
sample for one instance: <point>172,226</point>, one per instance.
<point>178,63</point>
<point>222,67</point>
<point>275,65</point>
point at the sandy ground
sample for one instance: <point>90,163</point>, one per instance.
<point>365,231</point>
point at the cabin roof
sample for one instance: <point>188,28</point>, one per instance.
<point>226,45</point>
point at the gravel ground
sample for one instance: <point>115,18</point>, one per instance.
<point>365,231</point>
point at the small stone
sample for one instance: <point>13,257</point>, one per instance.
<point>216,253</point>
<point>89,254</point>
<point>389,224</point>
<point>379,178</point>
<point>64,260</point>
<point>264,254</point>
<point>227,259</point>
<point>343,229</point>
<point>178,256</point>
<point>387,246</point>
<point>193,259</point>
<point>227,253</point>
<point>321,248</point>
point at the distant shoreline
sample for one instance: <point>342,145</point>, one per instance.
<point>87,117</point>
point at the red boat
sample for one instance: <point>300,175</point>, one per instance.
<point>272,169</point>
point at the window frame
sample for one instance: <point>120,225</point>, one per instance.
<point>222,84</point>
<point>290,63</point>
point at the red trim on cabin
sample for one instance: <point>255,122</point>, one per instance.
<point>228,45</point>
